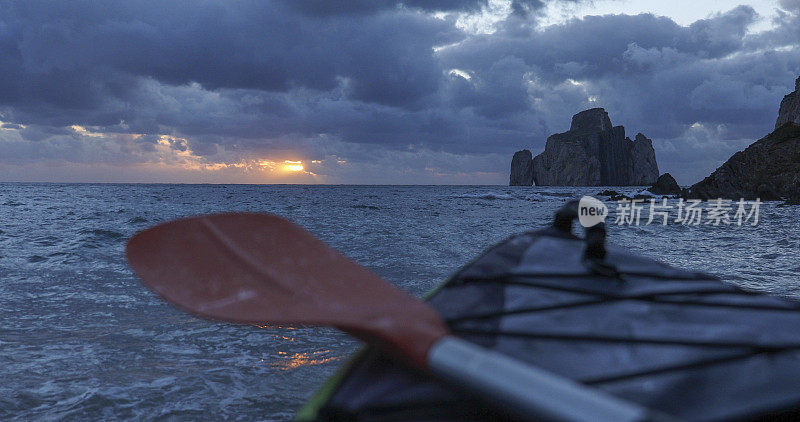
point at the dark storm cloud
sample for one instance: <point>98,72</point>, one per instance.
<point>370,78</point>
<point>244,45</point>
<point>649,72</point>
<point>344,7</point>
<point>596,45</point>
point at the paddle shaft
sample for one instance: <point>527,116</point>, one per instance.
<point>524,390</point>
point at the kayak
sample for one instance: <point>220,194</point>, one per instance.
<point>683,343</point>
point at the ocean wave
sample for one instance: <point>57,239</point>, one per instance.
<point>488,196</point>
<point>97,238</point>
<point>103,234</point>
<point>535,197</point>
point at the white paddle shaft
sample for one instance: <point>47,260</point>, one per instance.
<point>525,390</point>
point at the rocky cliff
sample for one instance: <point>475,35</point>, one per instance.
<point>592,153</point>
<point>790,107</point>
<point>521,169</point>
<point>768,169</point>
<point>643,168</point>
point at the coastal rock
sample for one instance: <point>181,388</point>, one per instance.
<point>793,199</point>
<point>565,163</point>
<point>768,169</point>
<point>790,107</point>
<point>592,120</point>
<point>665,185</point>
<point>521,169</point>
<point>643,165</point>
<point>595,153</point>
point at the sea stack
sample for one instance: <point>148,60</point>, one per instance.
<point>592,153</point>
<point>521,169</point>
<point>768,169</point>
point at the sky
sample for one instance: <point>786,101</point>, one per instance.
<point>377,91</point>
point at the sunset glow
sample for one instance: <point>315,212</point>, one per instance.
<point>293,165</point>
<point>453,89</point>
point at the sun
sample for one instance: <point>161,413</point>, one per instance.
<point>293,165</point>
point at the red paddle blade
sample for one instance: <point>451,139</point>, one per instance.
<point>263,269</point>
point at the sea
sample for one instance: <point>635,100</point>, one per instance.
<point>81,338</point>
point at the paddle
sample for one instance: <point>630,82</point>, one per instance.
<point>263,269</point>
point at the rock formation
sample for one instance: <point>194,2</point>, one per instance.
<point>793,199</point>
<point>592,153</point>
<point>643,166</point>
<point>521,169</point>
<point>790,107</point>
<point>768,169</point>
<point>665,185</point>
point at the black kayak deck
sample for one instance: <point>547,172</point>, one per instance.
<point>681,342</point>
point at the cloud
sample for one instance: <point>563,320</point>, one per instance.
<point>403,84</point>
<point>239,45</point>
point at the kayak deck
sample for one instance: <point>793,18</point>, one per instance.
<point>680,342</point>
